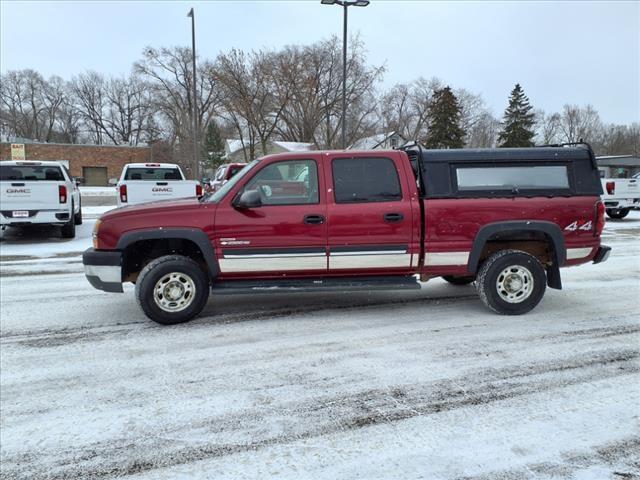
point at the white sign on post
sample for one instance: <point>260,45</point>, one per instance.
<point>17,151</point>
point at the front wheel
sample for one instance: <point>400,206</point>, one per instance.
<point>511,282</point>
<point>172,289</point>
<point>617,213</point>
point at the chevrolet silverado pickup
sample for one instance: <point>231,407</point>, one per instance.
<point>39,193</point>
<point>506,219</point>
<point>148,182</point>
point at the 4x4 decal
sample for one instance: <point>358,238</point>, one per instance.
<point>572,227</point>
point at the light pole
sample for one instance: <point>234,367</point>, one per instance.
<point>345,4</point>
<point>194,108</point>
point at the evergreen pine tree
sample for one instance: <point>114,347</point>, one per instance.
<point>444,121</point>
<point>213,146</point>
<point>518,121</point>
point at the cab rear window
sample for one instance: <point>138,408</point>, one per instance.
<point>151,173</point>
<point>30,173</point>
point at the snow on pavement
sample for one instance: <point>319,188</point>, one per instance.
<point>425,384</point>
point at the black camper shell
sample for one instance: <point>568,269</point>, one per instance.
<point>506,172</point>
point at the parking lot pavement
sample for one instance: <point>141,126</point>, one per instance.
<point>425,384</point>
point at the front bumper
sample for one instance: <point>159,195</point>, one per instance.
<point>103,269</point>
<point>602,254</point>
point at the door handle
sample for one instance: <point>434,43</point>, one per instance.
<point>313,219</point>
<point>393,217</point>
<point>160,184</point>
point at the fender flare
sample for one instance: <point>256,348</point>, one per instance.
<point>550,229</point>
<point>192,234</point>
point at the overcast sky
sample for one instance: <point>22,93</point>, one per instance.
<point>561,52</point>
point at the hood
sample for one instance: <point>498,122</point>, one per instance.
<point>153,207</point>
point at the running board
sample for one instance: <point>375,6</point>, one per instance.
<point>230,287</point>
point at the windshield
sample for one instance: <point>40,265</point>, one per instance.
<point>220,194</point>
<point>30,173</point>
<point>150,173</point>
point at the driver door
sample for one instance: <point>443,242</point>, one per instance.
<point>287,235</point>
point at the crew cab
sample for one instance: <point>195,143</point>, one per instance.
<point>507,219</point>
<point>39,193</point>
<point>224,173</point>
<point>147,182</point>
<point>621,195</point>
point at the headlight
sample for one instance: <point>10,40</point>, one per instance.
<point>96,229</point>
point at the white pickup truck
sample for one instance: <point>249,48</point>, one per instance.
<point>621,195</point>
<point>149,182</point>
<point>39,193</point>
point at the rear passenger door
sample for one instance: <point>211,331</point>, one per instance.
<point>369,215</point>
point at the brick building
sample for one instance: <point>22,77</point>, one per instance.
<point>96,163</point>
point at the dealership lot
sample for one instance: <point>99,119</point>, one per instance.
<point>424,384</point>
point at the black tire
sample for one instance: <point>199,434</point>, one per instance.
<point>618,213</point>
<point>68,230</point>
<point>163,267</point>
<point>505,301</point>
<point>78,217</point>
<point>459,280</point>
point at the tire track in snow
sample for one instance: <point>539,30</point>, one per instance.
<point>324,415</point>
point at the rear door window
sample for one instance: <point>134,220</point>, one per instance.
<point>364,180</point>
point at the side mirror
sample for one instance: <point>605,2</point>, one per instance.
<point>79,181</point>
<point>113,182</point>
<point>249,199</point>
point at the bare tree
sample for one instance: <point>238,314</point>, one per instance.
<point>30,105</point>
<point>405,108</point>
<point>578,123</point>
<point>167,72</point>
<point>484,131</point>
<point>547,127</point>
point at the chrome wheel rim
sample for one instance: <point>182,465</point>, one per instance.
<point>174,292</point>
<point>514,284</point>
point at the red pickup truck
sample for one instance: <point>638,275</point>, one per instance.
<point>507,219</point>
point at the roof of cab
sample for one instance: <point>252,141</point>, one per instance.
<point>38,163</point>
<point>151,165</point>
<point>458,155</point>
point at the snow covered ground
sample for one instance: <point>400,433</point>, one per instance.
<point>425,384</point>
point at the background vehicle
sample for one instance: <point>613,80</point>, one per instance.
<point>148,182</point>
<point>507,219</point>
<point>621,195</point>
<point>224,173</point>
<point>39,193</point>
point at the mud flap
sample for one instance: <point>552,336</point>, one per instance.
<point>553,277</point>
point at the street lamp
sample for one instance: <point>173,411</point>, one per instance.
<point>345,4</point>
<point>194,111</point>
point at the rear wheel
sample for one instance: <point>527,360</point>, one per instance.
<point>78,216</point>
<point>172,289</point>
<point>511,282</point>
<point>617,212</point>
<point>68,230</point>
<point>459,280</point>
